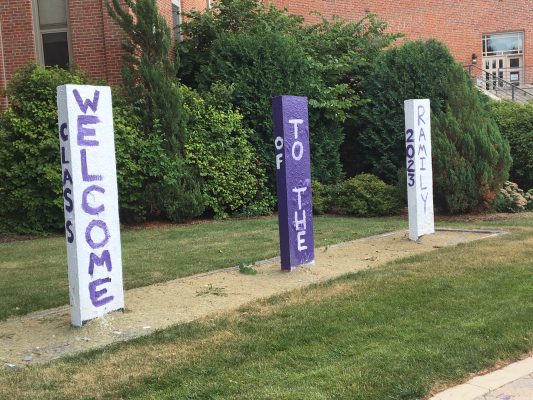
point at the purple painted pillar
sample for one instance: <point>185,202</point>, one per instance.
<point>293,178</point>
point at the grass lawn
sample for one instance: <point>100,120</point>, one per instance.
<point>393,332</point>
<point>157,255</point>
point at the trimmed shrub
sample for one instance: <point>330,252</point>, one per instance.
<point>218,147</point>
<point>364,195</point>
<point>30,168</point>
<point>151,87</point>
<point>471,159</point>
<point>321,197</point>
<point>264,52</point>
<point>516,125</point>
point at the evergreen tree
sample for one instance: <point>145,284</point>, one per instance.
<point>151,86</point>
<point>471,159</point>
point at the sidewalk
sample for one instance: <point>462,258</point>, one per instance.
<point>514,382</point>
<point>46,335</point>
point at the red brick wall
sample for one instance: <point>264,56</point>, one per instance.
<point>17,39</point>
<point>189,5</point>
<point>95,38</point>
<point>87,36</point>
<point>458,24</point>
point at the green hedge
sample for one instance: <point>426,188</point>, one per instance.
<point>218,147</point>
<point>30,170</point>
<point>364,195</point>
<point>516,124</point>
<point>265,52</point>
<point>471,159</point>
<point>150,180</point>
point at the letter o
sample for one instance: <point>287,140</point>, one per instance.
<point>410,151</point>
<point>301,151</point>
<point>88,233</point>
<point>278,143</point>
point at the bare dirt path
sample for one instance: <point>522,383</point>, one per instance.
<point>46,335</point>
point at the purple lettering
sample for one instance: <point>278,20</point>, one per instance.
<point>104,259</point>
<point>411,165</point>
<point>85,205</point>
<point>97,294</point>
<point>421,135</point>
<point>88,233</point>
<point>424,200</point>
<point>421,112</point>
<point>83,131</point>
<point>422,147</point>
<point>422,168</point>
<point>87,103</point>
<point>410,151</point>
<point>69,206</point>
<point>62,129</point>
<point>70,234</point>
<point>411,176</point>
<point>84,172</point>
<point>422,187</point>
<point>66,177</point>
<point>63,156</point>
<point>409,136</point>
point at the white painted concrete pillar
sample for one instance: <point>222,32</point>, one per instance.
<point>419,168</point>
<point>90,195</point>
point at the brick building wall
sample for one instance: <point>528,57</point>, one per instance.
<point>17,38</point>
<point>460,25</point>
<point>95,39</point>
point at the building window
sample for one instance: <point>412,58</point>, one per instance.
<point>51,28</point>
<point>499,44</point>
<point>176,19</point>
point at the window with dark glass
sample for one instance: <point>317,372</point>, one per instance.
<point>52,32</point>
<point>514,63</point>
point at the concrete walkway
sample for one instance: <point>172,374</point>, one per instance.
<point>514,382</point>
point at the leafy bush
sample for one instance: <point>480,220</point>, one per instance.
<point>364,195</point>
<point>30,172</point>
<point>513,199</point>
<point>151,87</point>
<point>321,197</point>
<point>471,159</point>
<point>264,52</point>
<point>516,124</point>
<point>30,175</point>
<point>219,149</point>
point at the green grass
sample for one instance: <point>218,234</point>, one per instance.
<point>34,272</point>
<point>393,332</point>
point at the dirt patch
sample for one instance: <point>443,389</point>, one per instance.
<point>46,335</point>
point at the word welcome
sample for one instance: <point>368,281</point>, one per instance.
<point>90,198</point>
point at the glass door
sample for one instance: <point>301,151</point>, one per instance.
<point>494,72</point>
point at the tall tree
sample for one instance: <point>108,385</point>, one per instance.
<point>152,88</point>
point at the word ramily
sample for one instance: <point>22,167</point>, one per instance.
<point>86,136</point>
<point>421,154</point>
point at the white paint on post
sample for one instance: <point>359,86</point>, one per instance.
<point>419,168</point>
<point>90,195</point>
